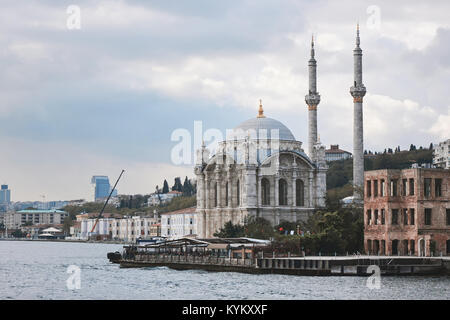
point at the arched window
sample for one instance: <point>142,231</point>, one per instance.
<point>215,194</point>
<point>226,194</point>
<point>265,192</point>
<point>299,193</point>
<point>282,192</point>
<point>238,195</point>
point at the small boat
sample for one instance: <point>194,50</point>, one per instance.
<point>114,257</point>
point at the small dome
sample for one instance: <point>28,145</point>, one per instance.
<point>268,124</point>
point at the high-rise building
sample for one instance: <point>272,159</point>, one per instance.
<point>5,194</point>
<point>102,188</point>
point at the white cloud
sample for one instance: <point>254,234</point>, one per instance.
<point>441,127</point>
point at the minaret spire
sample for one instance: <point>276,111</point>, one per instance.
<point>312,99</point>
<point>358,91</point>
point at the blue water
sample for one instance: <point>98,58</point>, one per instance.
<point>38,270</point>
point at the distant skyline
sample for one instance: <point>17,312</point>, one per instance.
<point>94,101</point>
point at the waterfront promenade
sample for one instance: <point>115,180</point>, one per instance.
<point>356,265</point>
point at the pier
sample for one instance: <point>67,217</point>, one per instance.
<point>246,256</point>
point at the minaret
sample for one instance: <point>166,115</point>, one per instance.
<point>312,99</point>
<point>358,91</point>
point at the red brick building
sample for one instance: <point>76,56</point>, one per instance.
<point>407,212</point>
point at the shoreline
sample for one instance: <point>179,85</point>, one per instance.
<point>70,240</point>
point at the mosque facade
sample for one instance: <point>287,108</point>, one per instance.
<point>261,170</point>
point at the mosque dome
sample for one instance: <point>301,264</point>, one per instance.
<point>268,124</point>
<point>255,125</point>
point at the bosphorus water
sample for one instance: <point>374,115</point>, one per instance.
<point>38,270</point>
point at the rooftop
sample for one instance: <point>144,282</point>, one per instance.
<point>185,210</point>
<point>41,211</point>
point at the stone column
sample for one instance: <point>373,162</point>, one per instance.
<point>294,189</point>
<point>260,191</point>
<point>277,190</point>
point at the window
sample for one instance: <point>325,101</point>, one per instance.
<point>394,188</point>
<point>369,188</point>
<point>427,187</point>
<point>226,194</point>
<point>191,220</point>
<point>382,216</point>
<point>404,184</point>
<point>428,216</point>
<point>238,195</point>
<point>282,192</point>
<point>376,217</point>
<point>447,213</point>
<point>369,216</point>
<point>405,216</point>
<point>265,192</point>
<point>411,187</point>
<point>375,188</point>
<point>411,216</point>
<point>299,193</point>
<point>438,187</point>
<point>215,194</point>
<point>394,216</point>
<point>168,220</point>
<point>382,188</point>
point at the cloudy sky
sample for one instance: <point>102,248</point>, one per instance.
<point>91,101</point>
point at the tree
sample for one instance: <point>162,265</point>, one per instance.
<point>165,187</point>
<point>230,230</point>
<point>67,224</point>
<point>177,186</point>
<point>431,146</point>
<point>18,234</point>
<point>187,188</point>
<point>259,228</point>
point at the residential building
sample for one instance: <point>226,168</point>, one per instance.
<point>407,212</point>
<point>335,154</point>
<point>16,219</point>
<point>127,229</point>
<point>179,223</point>
<point>441,154</point>
<point>162,198</point>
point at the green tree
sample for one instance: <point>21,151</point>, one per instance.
<point>18,234</point>
<point>177,186</point>
<point>258,228</point>
<point>165,187</point>
<point>68,222</point>
<point>230,230</point>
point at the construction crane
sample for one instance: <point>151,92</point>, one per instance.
<point>106,202</point>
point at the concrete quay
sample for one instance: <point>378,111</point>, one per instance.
<point>306,266</point>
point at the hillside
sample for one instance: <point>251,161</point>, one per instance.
<point>340,173</point>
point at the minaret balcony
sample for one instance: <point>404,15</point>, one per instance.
<point>312,99</point>
<point>358,91</point>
